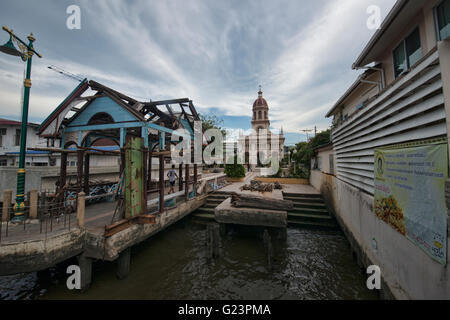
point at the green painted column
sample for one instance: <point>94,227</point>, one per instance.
<point>20,193</point>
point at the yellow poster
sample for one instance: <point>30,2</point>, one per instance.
<point>410,194</point>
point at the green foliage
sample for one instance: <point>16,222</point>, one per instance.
<point>235,170</point>
<point>305,151</point>
<point>212,122</point>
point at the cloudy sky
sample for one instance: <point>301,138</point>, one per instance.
<point>214,52</point>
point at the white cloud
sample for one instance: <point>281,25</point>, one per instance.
<point>215,53</point>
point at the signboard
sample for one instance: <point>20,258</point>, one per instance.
<point>410,194</point>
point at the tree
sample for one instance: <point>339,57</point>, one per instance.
<point>305,150</point>
<point>235,170</point>
<point>212,122</point>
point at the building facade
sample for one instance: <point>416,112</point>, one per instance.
<point>401,100</point>
<point>259,143</point>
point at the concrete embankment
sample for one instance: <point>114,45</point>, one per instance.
<point>407,272</point>
<point>43,251</point>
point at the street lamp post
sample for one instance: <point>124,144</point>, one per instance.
<point>26,52</point>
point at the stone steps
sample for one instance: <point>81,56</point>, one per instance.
<point>311,205</point>
<point>314,225</point>
<point>309,210</point>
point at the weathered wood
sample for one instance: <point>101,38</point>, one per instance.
<point>161,183</point>
<point>180,177</point>
<point>80,162</point>
<point>247,201</point>
<point>258,186</point>
<point>186,180</point>
<point>86,173</point>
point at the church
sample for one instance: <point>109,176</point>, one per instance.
<point>261,124</point>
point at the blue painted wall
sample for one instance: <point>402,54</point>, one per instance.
<point>103,104</point>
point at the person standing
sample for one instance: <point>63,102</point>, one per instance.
<point>172,178</point>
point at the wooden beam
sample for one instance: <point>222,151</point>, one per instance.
<point>162,102</point>
<point>80,156</point>
<point>161,183</point>
<point>186,181</point>
<point>180,177</point>
<point>86,173</point>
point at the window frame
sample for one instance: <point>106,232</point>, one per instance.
<point>403,40</point>
<point>436,22</point>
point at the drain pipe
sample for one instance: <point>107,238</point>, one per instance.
<point>378,84</point>
<point>383,77</point>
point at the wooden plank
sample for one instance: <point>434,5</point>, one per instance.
<point>161,183</point>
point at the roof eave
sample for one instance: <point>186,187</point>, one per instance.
<point>399,5</point>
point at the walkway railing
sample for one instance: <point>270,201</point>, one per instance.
<point>42,218</point>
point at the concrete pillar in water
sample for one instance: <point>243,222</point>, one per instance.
<point>223,229</point>
<point>212,241</point>
<point>279,233</point>
<point>268,244</point>
<point>85,265</point>
<point>123,264</point>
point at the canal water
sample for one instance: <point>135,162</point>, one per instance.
<point>310,264</point>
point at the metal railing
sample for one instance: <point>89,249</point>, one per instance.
<point>51,217</point>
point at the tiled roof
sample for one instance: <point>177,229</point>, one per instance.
<point>8,122</point>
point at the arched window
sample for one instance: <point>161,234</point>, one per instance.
<point>259,115</point>
<point>101,118</point>
<point>265,115</point>
<point>254,115</point>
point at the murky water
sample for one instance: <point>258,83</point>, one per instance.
<point>173,265</point>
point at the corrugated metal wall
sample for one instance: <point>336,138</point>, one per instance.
<point>411,109</point>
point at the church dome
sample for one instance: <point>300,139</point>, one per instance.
<point>260,102</point>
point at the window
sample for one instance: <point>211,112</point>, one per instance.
<point>17,138</point>
<point>331,164</point>
<point>443,19</point>
<point>2,133</point>
<point>259,115</point>
<point>408,52</point>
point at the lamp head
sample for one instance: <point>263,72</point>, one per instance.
<point>10,49</point>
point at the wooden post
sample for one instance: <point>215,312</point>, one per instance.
<point>81,209</point>
<point>62,177</point>
<point>145,166</point>
<point>86,173</point>
<point>7,199</point>
<point>33,204</point>
<point>195,180</point>
<point>122,160</point>
<point>80,156</point>
<point>180,177</point>
<point>186,182</point>
<point>63,170</point>
<point>161,183</point>
<point>149,175</point>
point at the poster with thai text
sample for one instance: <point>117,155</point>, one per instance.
<point>410,194</point>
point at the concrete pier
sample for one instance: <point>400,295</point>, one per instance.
<point>123,264</point>
<point>225,213</point>
<point>85,265</point>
